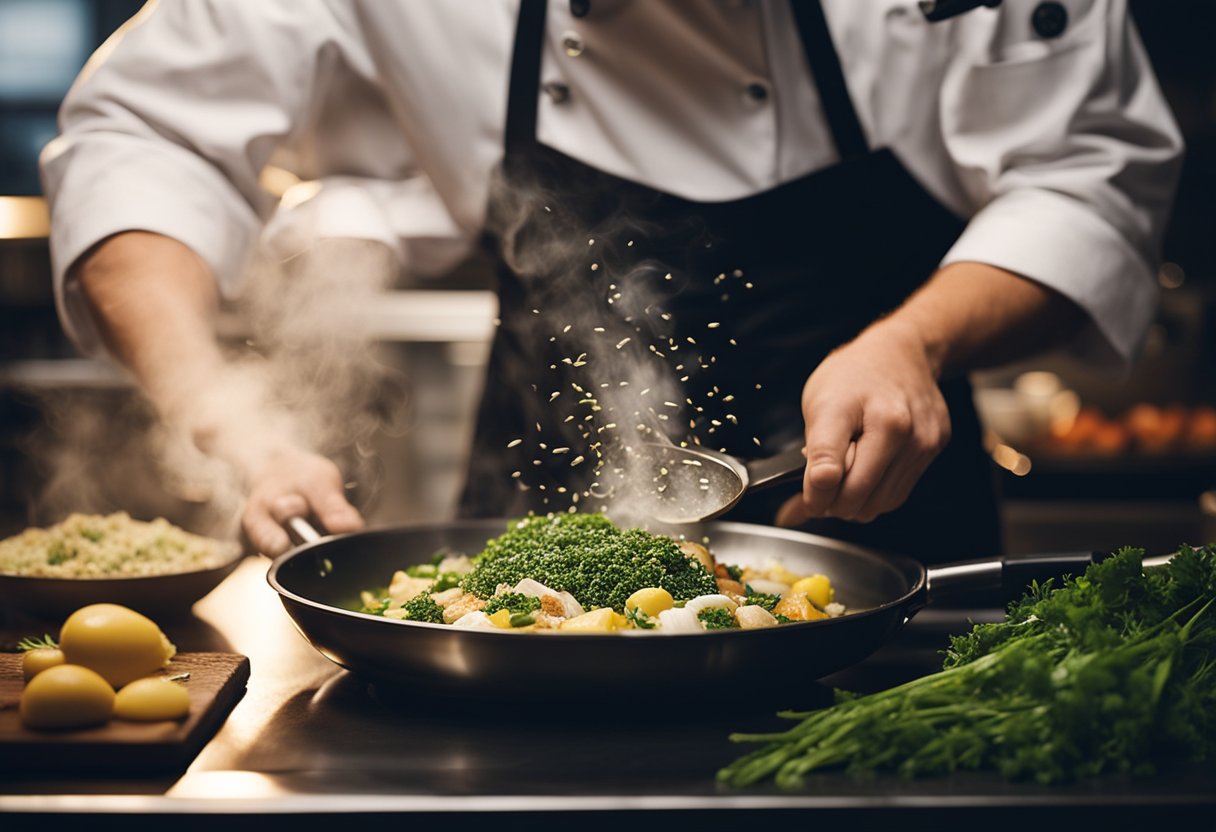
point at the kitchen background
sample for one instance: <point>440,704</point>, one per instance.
<point>1086,460</point>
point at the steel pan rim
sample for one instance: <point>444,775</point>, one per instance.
<point>753,529</point>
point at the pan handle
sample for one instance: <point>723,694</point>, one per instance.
<point>1009,575</point>
<point>301,531</point>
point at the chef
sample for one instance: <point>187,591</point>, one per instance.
<point>813,218</point>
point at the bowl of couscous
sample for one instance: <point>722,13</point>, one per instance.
<point>152,566</point>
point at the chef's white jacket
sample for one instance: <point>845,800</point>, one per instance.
<point>1060,150</point>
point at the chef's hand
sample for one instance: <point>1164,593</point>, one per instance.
<point>295,483</point>
<point>879,392</point>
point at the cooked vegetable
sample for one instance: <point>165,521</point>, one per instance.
<point>115,641</point>
<point>151,699</point>
<point>761,599</point>
<point>66,696</point>
<point>1112,672</point>
<point>589,557</point>
<point>516,602</point>
<point>423,608</point>
<point>651,600</point>
<point>817,588</point>
<point>545,573</point>
<point>717,618</point>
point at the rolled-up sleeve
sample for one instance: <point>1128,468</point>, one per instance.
<point>168,129</point>
<point>1070,155</point>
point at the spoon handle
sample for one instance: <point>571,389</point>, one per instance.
<point>786,466</point>
<point>774,470</point>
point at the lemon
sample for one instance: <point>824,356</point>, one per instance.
<point>66,696</point>
<point>119,643</point>
<point>151,699</point>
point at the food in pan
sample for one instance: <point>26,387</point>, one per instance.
<point>102,648</point>
<point>1112,672</point>
<point>581,573</point>
<point>109,546</point>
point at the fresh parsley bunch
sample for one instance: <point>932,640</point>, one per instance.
<point>1114,671</point>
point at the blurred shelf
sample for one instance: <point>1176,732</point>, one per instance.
<point>417,315</point>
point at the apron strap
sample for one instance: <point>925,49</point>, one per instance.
<point>828,76</point>
<point>523,92</point>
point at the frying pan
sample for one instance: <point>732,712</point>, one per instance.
<point>319,584</point>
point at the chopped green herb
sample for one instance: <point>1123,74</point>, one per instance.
<point>46,642</point>
<point>516,602</point>
<point>762,599</point>
<point>639,619</point>
<point>422,607</point>
<point>717,618</point>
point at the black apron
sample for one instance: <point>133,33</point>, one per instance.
<point>625,310</point>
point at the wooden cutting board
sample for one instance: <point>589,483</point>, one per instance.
<point>217,682</point>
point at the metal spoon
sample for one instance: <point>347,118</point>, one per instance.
<point>695,484</point>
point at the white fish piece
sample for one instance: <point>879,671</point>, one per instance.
<point>679,620</point>
<point>534,588</point>
<point>708,602</point>
<point>404,588</point>
<point>460,564</point>
<point>447,596</point>
<point>570,605</point>
<point>476,620</point>
<point>754,616</point>
<point>769,587</point>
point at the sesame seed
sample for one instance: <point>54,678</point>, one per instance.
<point>578,460</point>
<point>566,329</point>
<point>591,242</point>
<point>561,450</point>
<point>595,267</point>
<point>714,325</point>
<point>667,276</point>
<point>514,442</point>
<point>623,342</point>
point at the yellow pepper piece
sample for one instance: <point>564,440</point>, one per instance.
<point>603,620</point>
<point>777,572</point>
<point>501,619</point>
<point>652,600</point>
<point>797,607</point>
<point>818,588</point>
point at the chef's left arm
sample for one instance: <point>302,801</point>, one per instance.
<point>1069,156</point>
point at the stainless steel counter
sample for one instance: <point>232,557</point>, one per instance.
<point>310,739</point>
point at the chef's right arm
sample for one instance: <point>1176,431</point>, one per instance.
<point>156,206</point>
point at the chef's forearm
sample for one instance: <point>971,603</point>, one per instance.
<point>154,302</point>
<point>970,315</point>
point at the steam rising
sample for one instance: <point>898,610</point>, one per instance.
<point>308,374</point>
<point>617,368</point>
